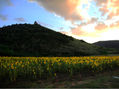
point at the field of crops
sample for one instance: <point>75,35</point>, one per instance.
<point>13,68</point>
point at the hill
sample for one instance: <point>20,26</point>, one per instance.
<point>35,40</point>
<point>108,44</point>
<point>111,44</point>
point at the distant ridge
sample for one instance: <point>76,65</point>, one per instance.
<point>108,44</point>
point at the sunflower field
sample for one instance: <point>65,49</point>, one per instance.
<point>13,68</point>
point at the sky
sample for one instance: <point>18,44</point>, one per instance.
<point>88,20</point>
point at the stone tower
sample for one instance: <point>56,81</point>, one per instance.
<point>35,23</point>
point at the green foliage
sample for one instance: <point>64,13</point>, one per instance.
<point>35,40</point>
<point>5,51</point>
<point>111,47</point>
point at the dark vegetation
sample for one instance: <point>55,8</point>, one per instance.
<point>112,44</point>
<point>103,80</point>
<point>35,40</point>
<point>108,44</point>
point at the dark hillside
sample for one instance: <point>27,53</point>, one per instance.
<point>35,40</point>
<point>108,44</point>
<point>112,45</point>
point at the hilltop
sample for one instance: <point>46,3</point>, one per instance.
<point>36,40</point>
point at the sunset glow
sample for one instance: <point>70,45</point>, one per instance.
<point>90,20</point>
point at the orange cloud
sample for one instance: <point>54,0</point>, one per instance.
<point>90,29</point>
<point>64,32</point>
<point>77,31</point>
<point>113,8</point>
<point>114,25</point>
<point>93,31</point>
<point>109,6</point>
<point>101,26</point>
<point>69,9</point>
<point>85,29</point>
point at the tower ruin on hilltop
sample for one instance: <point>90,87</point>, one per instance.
<point>36,23</point>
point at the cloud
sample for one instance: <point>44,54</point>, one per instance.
<point>86,32</point>
<point>108,6</point>
<point>64,32</point>
<point>92,26</point>
<point>3,17</point>
<point>114,25</point>
<point>85,27</point>
<point>69,9</point>
<point>101,26</point>
<point>101,2</point>
<point>92,32</point>
<point>79,10</point>
<point>21,19</point>
<point>77,31</point>
<point>93,20</point>
<point>61,28</point>
<point>4,3</point>
<point>113,6</point>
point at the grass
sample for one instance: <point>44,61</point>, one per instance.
<point>104,80</point>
